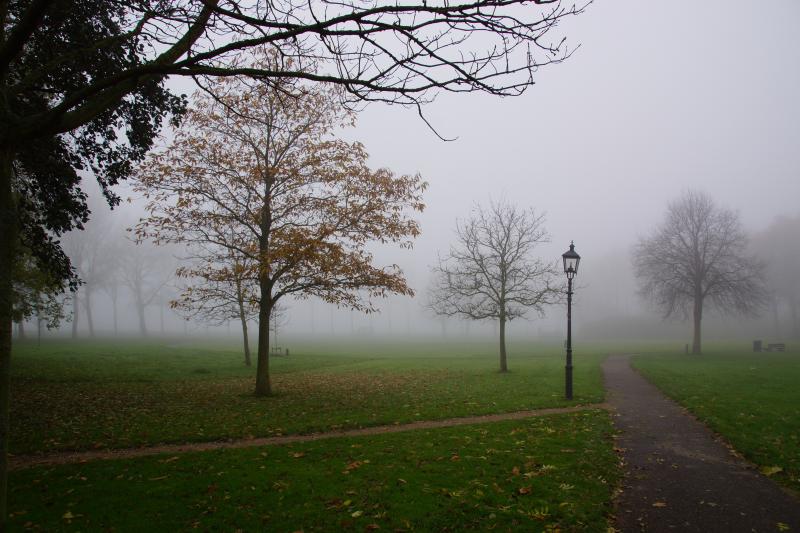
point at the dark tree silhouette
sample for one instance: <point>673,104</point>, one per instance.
<point>490,272</point>
<point>698,256</point>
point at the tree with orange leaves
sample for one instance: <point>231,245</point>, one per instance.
<point>259,188</point>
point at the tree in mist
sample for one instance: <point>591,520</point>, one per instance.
<point>82,86</point>
<point>227,289</point>
<point>698,256</point>
<point>490,273</point>
<point>277,321</point>
<point>90,256</point>
<point>779,247</point>
<point>255,177</point>
<point>112,283</point>
<point>36,295</point>
<point>145,272</point>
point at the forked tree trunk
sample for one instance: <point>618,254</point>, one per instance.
<point>503,361</point>
<point>8,247</point>
<point>265,302</point>
<point>697,317</point>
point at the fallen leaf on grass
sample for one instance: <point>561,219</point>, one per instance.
<point>298,455</point>
<point>524,490</point>
<point>352,466</point>
<point>356,514</point>
<point>783,527</point>
<point>771,470</point>
<point>159,478</point>
<point>659,504</point>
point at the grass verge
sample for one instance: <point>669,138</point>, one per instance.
<point>72,396</point>
<point>539,474</point>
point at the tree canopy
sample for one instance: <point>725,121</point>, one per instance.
<point>491,273</point>
<point>266,196</point>
<point>697,256</point>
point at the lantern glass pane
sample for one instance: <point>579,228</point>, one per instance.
<point>570,264</point>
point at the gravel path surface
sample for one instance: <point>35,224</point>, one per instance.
<point>678,475</point>
<point>26,461</point>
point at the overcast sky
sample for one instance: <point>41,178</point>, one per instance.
<point>661,97</point>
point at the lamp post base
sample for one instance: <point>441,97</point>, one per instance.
<point>568,388</point>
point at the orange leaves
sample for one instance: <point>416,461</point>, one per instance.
<point>263,194</point>
<point>354,465</point>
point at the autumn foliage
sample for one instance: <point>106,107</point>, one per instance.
<point>258,187</point>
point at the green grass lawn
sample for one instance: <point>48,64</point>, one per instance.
<point>540,474</point>
<point>753,400</point>
<point>79,395</point>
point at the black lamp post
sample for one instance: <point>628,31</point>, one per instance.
<point>571,261</point>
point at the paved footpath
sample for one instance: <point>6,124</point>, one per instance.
<point>678,475</point>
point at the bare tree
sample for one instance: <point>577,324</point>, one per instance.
<point>490,273</point>
<point>277,320</point>
<point>227,289</point>
<point>145,272</point>
<point>94,263</point>
<point>698,256</point>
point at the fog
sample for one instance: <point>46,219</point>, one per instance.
<point>660,98</point>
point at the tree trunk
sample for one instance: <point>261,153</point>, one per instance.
<point>265,302</point>
<point>795,324</point>
<point>39,321</point>
<point>21,329</point>
<point>114,308</point>
<point>263,386</point>
<point>243,319</point>
<point>75,314</point>
<point>503,361</point>
<point>87,305</point>
<point>697,316</point>
<point>8,248</point>
<point>140,312</point>
<point>246,340</point>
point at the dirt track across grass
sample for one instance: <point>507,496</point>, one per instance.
<point>678,475</point>
<point>27,461</point>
